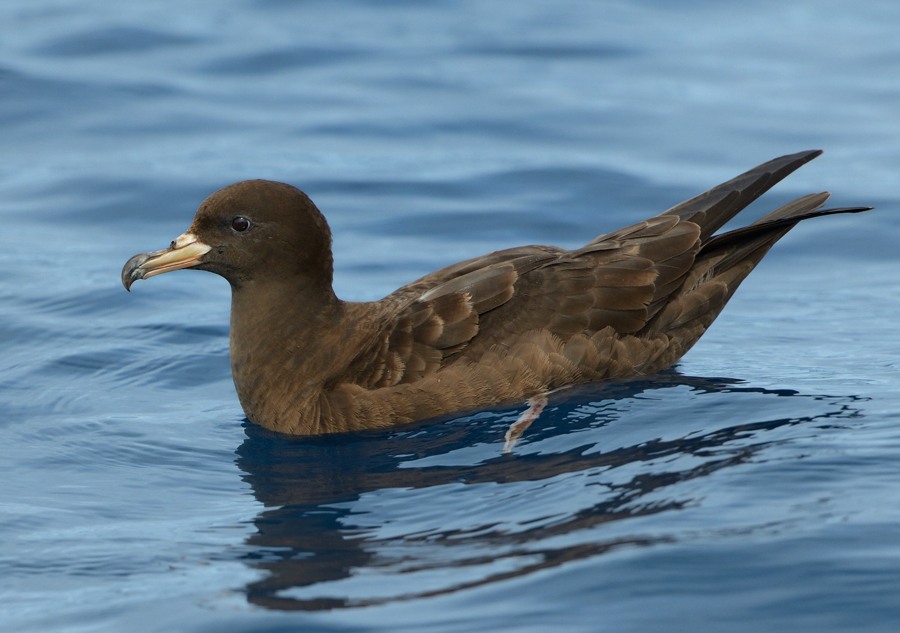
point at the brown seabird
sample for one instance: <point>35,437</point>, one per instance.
<point>495,329</point>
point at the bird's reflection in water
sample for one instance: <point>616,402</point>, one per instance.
<point>325,542</point>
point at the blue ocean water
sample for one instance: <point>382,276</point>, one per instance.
<point>755,487</point>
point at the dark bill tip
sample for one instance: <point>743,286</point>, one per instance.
<point>186,251</point>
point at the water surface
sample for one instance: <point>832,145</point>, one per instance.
<point>754,487</point>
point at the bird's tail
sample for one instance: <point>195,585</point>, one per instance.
<point>724,261</point>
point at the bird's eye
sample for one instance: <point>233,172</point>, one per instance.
<point>240,224</point>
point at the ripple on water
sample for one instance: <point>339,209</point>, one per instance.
<point>110,41</point>
<point>607,467</point>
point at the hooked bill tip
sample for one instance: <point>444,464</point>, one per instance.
<point>132,271</point>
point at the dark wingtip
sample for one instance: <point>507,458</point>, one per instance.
<point>844,210</point>
<point>797,158</point>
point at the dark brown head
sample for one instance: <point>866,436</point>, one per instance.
<point>251,231</point>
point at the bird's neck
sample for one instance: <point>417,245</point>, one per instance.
<point>281,335</point>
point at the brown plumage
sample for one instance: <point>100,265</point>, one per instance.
<point>494,329</point>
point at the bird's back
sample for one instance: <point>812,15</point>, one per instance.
<point>526,320</point>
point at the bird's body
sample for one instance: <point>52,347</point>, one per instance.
<point>495,329</point>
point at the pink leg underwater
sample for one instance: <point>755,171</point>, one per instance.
<point>516,429</point>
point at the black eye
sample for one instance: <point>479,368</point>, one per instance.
<point>240,224</point>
